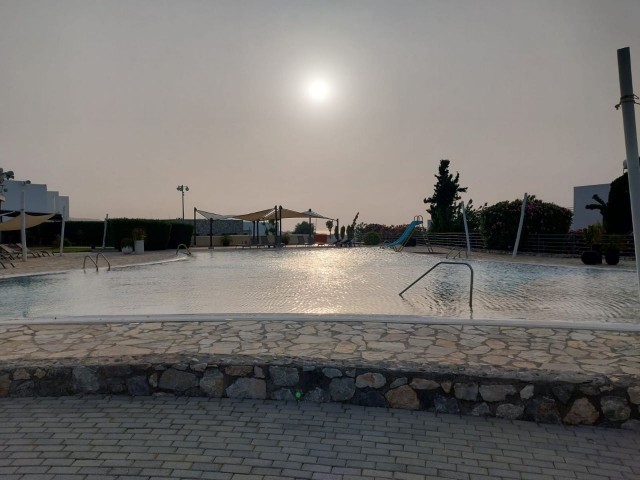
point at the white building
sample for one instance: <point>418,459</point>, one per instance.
<point>38,200</point>
<point>583,196</point>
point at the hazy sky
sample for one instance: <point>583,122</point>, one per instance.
<point>116,103</point>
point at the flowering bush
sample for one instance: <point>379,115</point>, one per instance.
<point>499,222</point>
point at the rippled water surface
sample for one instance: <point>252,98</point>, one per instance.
<point>328,281</point>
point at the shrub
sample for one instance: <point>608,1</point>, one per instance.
<point>226,240</point>
<point>371,238</point>
<point>180,233</point>
<point>157,232</point>
<point>499,224</point>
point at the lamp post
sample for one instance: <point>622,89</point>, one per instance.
<point>8,175</point>
<point>182,189</point>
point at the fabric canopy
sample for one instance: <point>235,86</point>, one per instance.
<point>268,214</point>
<point>15,223</point>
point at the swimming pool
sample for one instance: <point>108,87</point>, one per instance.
<point>328,281</point>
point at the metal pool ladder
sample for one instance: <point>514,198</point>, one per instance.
<point>188,252</point>
<point>95,262</point>
<point>446,263</point>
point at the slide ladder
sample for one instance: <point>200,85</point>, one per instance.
<point>399,244</point>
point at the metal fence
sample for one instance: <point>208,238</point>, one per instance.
<point>571,244</point>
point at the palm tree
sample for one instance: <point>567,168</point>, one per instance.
<point>329,225</point>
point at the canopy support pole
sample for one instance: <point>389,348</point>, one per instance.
<point>64,211</point>
<point>23,225</point>
<point>522,212</point>
<point>627,102</point>
<point>104,233</point>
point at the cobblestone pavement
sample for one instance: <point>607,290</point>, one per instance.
<point>496,351</point>
<point>168,437</point>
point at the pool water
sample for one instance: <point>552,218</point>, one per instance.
<point>328,281</point>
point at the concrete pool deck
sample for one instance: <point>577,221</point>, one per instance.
<point>555,374</point>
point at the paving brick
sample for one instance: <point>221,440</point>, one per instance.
<point>157,437</point>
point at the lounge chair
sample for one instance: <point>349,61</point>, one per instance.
<point>10,252</point>
<point>265,242</point>
<point>345,242</point>
<point>4,258</point>
<point>35,253</point>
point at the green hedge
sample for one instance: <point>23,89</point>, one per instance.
<point>499,222</point>
<point>160,234</point>
<point>83,233</point>
<point>371,238</point>
<point>157,232</point>
<point>180,233</point>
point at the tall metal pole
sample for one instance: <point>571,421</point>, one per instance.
<point>522,212</point>
<point>182,189</point>
<point>64,210</point>
<point>23,224</point>
<point>195,233</point>
<point>104,232</point>
<point>627,102</point>
<point>466,227</point>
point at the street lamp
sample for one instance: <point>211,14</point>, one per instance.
<point>182,189</point>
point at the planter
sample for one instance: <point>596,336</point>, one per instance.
<point>139,246</point>
<point>591,257</point>
<point>612,258</point>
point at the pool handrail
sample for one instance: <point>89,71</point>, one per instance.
<point>188,252</point>
<point>446,263</point>
<point>95,262</point>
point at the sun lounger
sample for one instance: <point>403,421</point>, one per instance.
<point>10,252</point>
<point>18,247</point>
<point>35,253</point>
<point>4,258</point>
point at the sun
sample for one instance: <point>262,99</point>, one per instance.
<point>318,90</point>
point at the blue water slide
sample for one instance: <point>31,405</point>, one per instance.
<point>405,235</point>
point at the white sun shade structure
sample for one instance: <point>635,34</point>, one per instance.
<point>276,214</point>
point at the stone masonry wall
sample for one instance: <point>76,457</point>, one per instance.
<point>594,403</point>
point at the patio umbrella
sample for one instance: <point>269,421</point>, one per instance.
<point>311,214</point>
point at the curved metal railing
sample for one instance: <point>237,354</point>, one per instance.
<point>446,263</point>
<point>95,262</point>
<point>188,252</point>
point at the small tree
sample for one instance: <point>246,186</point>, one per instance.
<point>445,195</point>
<point>616,212</point>
<point>351,229</point>
<point>304,228</point>
<point>329,225</point>
<point>342,231</point>
<point>500,221</point>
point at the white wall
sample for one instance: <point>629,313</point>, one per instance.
<point>37,198</point>
<point>582,196</point>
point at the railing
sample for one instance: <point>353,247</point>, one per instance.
<point>456,252</point>
<point>446,263</point>
<point>187,251</point>
<point>571,244</point>
<point>95,262</point>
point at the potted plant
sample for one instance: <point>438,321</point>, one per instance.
<point>612,249</point>
<point>226,240</point>
<point>593,236</point>
<point>286,238</point>
<point>138,239</point>
<point>126,246</point>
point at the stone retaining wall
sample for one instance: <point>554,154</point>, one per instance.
<point>597,402</point>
